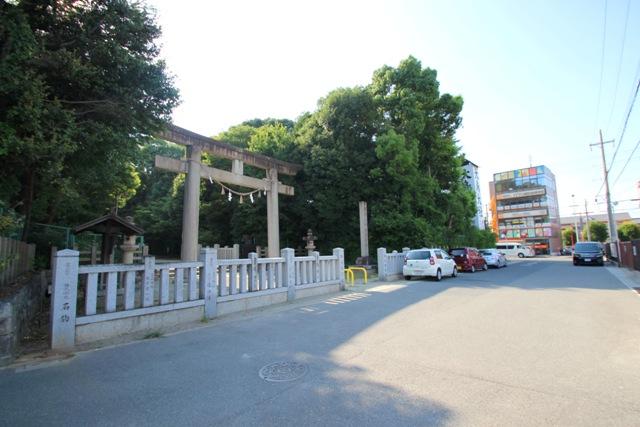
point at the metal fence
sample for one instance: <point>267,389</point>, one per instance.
<point>630,254</point>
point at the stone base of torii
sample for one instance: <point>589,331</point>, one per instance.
<point>195,170</point>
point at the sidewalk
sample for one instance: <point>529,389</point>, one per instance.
<point>630,278</point>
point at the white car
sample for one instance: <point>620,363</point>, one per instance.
<point>514,249</point>
<point>494,258</point>
<point>431,262</point>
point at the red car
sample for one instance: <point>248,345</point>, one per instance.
<point>468,259</point>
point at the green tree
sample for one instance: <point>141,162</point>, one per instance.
<point>598,230</point>
<point>568,236</point>
<point>81,87</point>
<point>628,231</point>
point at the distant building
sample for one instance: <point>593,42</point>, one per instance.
<point>473,181</point>
<point>571,221</point>
<point>524,208</point>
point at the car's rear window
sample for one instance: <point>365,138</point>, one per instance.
<point>457,252</point>
<point>587,247</point>
<point>486,252</point>
<point>419,255</point>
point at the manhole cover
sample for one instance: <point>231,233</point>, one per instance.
<point>283,371</point>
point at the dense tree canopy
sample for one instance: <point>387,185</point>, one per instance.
<point>391,143</point>
<point>598,230</point>
<point>628,231</point>
<point>568,236</point>
<point>81,86</point>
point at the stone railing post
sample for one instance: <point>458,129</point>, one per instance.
<point>382,264</point>
<point>208,288</point>
<point>253,273</point>
<point>316,266</point>
<point>236,251</point>
<point>148,281</point>
<point>339,252</point>
<point>64,293</point>
<point>289,272</point>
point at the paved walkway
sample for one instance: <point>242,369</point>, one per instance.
<point>538,343</point>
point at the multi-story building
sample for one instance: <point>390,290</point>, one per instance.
<point>473,181</point>
<point>524,208</point>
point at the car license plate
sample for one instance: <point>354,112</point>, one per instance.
<point>587,259</point>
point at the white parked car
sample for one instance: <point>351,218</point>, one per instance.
<point>494,258</point>
<point>430,262</point>
<point>514,249</point>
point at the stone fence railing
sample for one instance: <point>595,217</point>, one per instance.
<point>390,264</point>
<point>94,302</point>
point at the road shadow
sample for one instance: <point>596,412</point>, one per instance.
<point>210,376</point>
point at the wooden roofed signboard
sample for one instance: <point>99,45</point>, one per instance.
<point>194,169</point>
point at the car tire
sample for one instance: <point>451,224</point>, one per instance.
<point>485,267</point>
<point>407,277</point>
<point>454,273</point>
<point>575,263</point>
<point>438,275</point>
<point>473,269</point>
<point>520,255</point>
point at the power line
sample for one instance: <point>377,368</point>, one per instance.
<point>624,40</point>
<point>627,162</point>
<point>604,38</point>
<point>632,101</point>
<point>626,122</point>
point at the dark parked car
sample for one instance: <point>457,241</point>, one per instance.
<point>468,259</point>
<point>566,251</point>
<point>588,253</point>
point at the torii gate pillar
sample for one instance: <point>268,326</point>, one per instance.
<point>191,209</point>
<point>273,220</point>
<point>195,170</point>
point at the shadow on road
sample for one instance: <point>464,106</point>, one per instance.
<point>210,376</point>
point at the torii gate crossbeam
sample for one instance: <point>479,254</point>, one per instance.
<point>195,171</point>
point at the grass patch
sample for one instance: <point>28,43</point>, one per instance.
<point>153,334</point>
<point>204,319</point>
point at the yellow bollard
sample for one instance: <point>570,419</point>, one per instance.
<point>364,273</point>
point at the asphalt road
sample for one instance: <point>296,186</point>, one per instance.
<point>538,343</point>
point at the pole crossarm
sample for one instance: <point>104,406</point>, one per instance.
<point>180,166</point>
<point>185,137</point>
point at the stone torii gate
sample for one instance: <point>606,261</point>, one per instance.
<point>195,171</point>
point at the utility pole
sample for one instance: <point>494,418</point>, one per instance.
<point>575,218</point>
<point>613,232</point>
<point>586,215</point>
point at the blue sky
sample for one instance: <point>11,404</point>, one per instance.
<point>529,73</point>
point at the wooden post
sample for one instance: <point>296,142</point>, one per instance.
<point>64,295</point>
